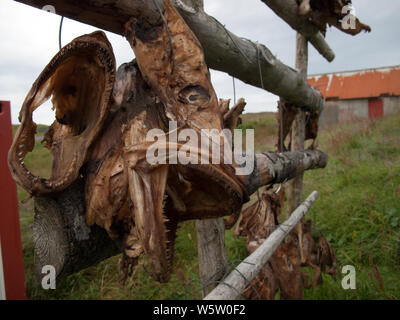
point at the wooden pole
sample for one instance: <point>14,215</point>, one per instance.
<point>298,127</point>
<point>211,252</point>
<point>239,279</point>
<point>295,186</point>
<point>272,168</point>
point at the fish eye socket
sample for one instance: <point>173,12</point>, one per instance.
<point>70,90</point>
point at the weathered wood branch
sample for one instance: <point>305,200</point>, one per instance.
<point>271,168</point>
<point>224,54</point>
<point>298,135</point>
<point>224,51</point>
<point>61,237</point>
<point>238,280</point>
<point>288,11</point>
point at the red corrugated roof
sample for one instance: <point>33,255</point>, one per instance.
<point>358,84</point>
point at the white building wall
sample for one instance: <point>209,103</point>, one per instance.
<point>353,109</point>
<point>337,111</point>
<point>391,105</point>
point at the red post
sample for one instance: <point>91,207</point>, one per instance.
<point>10,233</point>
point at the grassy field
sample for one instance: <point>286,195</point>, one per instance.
<point>358,211</point>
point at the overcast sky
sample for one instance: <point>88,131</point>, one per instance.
<point>29,39</point>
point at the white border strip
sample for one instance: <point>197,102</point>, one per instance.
<point>2,288</point>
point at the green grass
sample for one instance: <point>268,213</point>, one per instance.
<point>358,210</point>
<point>359,207</point>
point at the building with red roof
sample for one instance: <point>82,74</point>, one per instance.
<point>359,94</point>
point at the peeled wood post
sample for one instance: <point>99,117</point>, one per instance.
<point>234,284</point>
<point>211,252</point>
<point>295,186</point>
<point>299,124</point>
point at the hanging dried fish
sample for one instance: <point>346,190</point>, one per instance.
<point>79,79</point>
<point>180,78</point>
<point>283,272</point>
<point>285,117</point>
